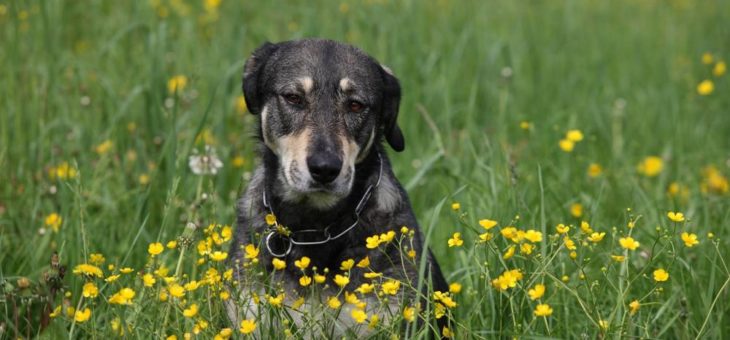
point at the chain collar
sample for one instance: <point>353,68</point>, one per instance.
<point>290,238</point>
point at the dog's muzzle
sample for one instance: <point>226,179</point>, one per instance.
<point>324,167</point>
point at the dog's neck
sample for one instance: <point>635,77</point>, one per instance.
<point>300,215</point>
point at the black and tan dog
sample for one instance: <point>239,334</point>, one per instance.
<point>324,108</point>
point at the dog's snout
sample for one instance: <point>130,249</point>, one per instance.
<point>324,167</point>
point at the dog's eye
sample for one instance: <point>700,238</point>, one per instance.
<point>294,99</point>
<point>355,106</point>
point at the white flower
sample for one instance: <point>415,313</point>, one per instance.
<point>206,164</point>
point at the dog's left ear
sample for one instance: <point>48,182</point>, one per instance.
<point>252,74</point>
<point>391,102</point>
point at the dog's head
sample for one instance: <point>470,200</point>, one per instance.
<point>322,107</point>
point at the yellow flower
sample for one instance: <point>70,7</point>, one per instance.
<point>341,280</point>
<point>333,302</point>
<point>191,311</point>
<point>177,83</point>
<point>456,206</point>
<point>319,278</point>
<point>247,326</point>
<point>241,104</point>
<point>634,306</point>
<point>302,263</point>
<point>390,287</point>
<point>104,147</point>
<point>123,297</point>
<point>359,315</point>
<point>707,58</point>
<point>585,227</point>
<point>719,69</point>
<point>510,233</point>
<point>455,240</point>
<point>62,171</point>
<point>305,281</point>
<point>411,253</point>
<point>714,181</point>
<point>192,285</point>
<point>650,166</point>
<point>509,253</point>
<point>176,290</point>
<point>298,303</point>
<point>594,170</point>
<point>604,324</point>
<point>543,309</point>
<point>447,333</point>
<point>387,237</point>
<point>661,275</point>
<point>56,312</point>
<point>566,145</point>
<point>364,263</point>
<point>275,301</point>
<point>705,87</point>
<point>155,248</point>
<point>112,278</point>
<point>455,288</point>
<point>82,316</point>
<point>485,237</point>
<point>126,270</point>
<point>533,236</point>
<point>97,259</point>
<point>347,264</point>
<point>596,237</point>
<point>88,270</point>
<point>251,252</point>
<point>372,242</point>
<point>278,264</point>
<point>576,209</point>
<point>618,258</point>
<point>218,256</point>
<point>148,280</point>
<point>676,216</point>
<point>536,292</point>
<point>569,243</point>
<point>629,243</point>
<point>409,314</point>
<point>444,298</point>
<point>487,224</point>
<point>365,288</point>
<point>562,229</point>
<point>507,280</point>
<point>54,222</point>
<point>270,219</point>
<point>690,240</point>
<point>224,295</point>
<point>574,135</point>
<point>90,290</point>
<point>372,275</point>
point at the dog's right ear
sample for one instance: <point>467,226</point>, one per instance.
<point>252,75</point>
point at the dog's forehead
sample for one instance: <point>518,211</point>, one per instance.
<point>328,62</point>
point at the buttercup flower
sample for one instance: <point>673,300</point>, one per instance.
<point>191,311</point>
<point>90,290</point>
<point>576,209</point>
<point>650,166</point>
<point>594,170</point>
<point>629,243</point>
<point>634,306</point>
<point>543,310</point>
<point>719,69</point>
<point>676,216</point>
<point>661,275</point>
<point>155,248</point>
<point>341,280</point>
<point>278,264</point>
<point>487,224</point>
<point>82,316</point>
<point>455,288</point>
<point>54,222</point>
<point>177,83</point>
<point>247,326</point>
<point>455,240</point>
<point>302,263</point>
<point>391,287</point>
<point>536,292</point>
<point>359,315</point>
<point>690,240</point>
<point>705,87</point>
<point>88,270</point>
<point>596,237</point>
<point>509,253</point>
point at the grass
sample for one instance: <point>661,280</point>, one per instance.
<point>490,88</point>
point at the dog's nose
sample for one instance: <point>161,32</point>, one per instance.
<point>324,168</point>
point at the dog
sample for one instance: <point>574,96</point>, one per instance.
<point>324,184</point>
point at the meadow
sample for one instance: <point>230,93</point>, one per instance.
<point>567,160</point>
